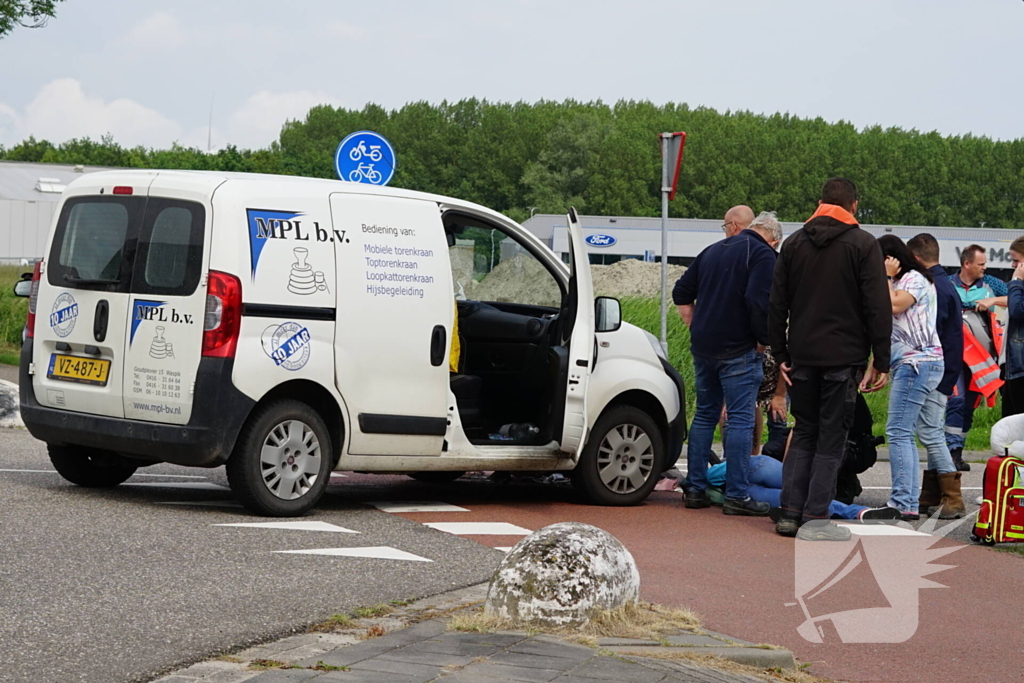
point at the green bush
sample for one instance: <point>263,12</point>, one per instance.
<point>12,309</point>
<point>646,313</point>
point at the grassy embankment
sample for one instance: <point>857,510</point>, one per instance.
<point>12,314</point>
<point>645,313</point>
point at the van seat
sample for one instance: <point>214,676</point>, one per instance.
<point>467,390</point>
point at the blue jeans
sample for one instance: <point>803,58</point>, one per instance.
<point>960,413</point>
<point>931,433</point>
<point>765,475</point>
<point>911,385</point>
<point>733,381</point>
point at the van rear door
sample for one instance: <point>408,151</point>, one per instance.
<point>581,344</point>
<point>83,302</point>
<point>164,337</point>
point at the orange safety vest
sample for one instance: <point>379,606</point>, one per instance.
<point>984,368</point>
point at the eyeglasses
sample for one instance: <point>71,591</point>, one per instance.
<point>725,226</point>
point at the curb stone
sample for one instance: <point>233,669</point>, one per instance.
<point>416,647</point>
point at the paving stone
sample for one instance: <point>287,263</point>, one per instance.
<point>609,669</point>
<point>513,673</point>
<point>535,661</point>
<point>206,668</point>
<point>463,677</point>
<point>691,672</point>
<point>697,641</point>
<point>229,677</point>
<point>366,676</point>
<point>571,678</point>
<point>345,656</point>
<point>408,655</point>
<point>411,634</point>
<point>285,676</point>
<point>453,647</point>
<point>176,679</point>
<point>729,638</point>
<point>422,672</point>
<point>626,642</point>
<point>496,639</point>
<point>553,648</point>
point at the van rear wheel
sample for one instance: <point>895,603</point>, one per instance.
<point>622,458</point>
<point>90,467</point>
<point>282,461</point>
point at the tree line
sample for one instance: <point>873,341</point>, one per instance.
<point>604,159</point>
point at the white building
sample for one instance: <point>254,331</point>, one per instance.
<point>611,239</point>
<point>28,197</point>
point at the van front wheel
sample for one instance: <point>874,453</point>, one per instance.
<point>282,461</point>
<point>89,467</point>
<point>622,458</point>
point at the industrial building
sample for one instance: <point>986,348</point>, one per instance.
<point>611,239</point>
<point>29,194</point>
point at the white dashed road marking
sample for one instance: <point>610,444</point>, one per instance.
<point>294,526</point>
<point>479,528</point>
<point>375,552</point>
<point>401,506</point>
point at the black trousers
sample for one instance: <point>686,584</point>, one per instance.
<point>823,400</point>
<point>1013,397</point>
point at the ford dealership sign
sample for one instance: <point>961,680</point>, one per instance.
<point>600,240</point>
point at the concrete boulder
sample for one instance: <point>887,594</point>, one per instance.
<point>10,413</point>
<point>558,576</point>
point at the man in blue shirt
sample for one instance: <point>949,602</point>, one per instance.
<point>728,284</point>
<point>977,292</point>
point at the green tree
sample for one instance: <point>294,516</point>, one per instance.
<point>28,13</point>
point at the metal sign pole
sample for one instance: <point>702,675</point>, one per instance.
<point>665,190</point>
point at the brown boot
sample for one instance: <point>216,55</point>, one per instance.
<point>952,500</point>
<point>931,496</point>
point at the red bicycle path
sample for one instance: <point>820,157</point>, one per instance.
<point>738,576</point>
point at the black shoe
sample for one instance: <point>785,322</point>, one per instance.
<point>909,516</point>
<point>823,530</point>
<point>713,459</point>
<point>882,513</point>
<point>748,507</point>
<point>695,500</point>
<point>775,514</point>
<point>787,526</point>
<point>958,460</point>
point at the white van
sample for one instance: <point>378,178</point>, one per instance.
<point>287,327</point>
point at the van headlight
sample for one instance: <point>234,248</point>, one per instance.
<point>656,345</point>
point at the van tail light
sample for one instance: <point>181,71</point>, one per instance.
<point>33,299</point>
<point>122,189</point>
<point>223,320</point>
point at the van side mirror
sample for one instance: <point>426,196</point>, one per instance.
<point>450,238</point>
<point>23,287</point>
<point>607,314</point>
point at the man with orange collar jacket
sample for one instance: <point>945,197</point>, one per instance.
<point>830,312</point>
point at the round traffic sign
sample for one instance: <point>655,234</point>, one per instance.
<point>365,157</point>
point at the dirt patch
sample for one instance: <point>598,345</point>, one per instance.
<point>632,277</point>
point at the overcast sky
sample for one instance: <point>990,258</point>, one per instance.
<point>146,72</point>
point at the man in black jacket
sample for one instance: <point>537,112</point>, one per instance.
<point>730,282</point>
<point>830,310</point>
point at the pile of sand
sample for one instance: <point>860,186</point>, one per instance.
<point>522,279</point>
<point>631,277</point>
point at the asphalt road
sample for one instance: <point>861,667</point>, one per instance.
<point>118,585</point>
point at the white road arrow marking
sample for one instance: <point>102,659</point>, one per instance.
<point>375,552</point>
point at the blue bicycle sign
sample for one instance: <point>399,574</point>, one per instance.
<point>365,157</point>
